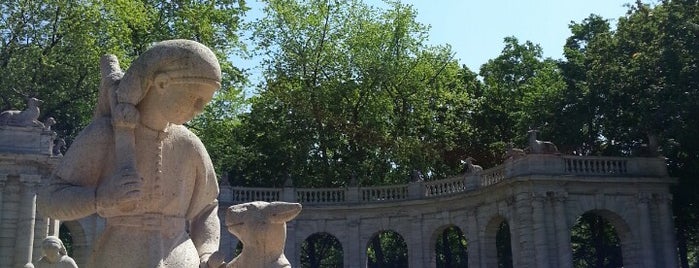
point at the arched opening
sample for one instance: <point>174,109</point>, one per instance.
<point>387,249</point>
<point>67,239</point>
<point>595,241</point>
<point>498,249</point>
<point>451,248</point>
<point>73,237</point>
<point>321,250</point>
<point>503,243</point>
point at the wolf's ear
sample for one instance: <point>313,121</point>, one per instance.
<point>281,212</point>
<point>233,214</point>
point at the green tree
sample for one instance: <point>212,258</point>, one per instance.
<point>595,243</point>
<point>387,250</point>
<point>637,87</point>
<point>321,250</point>
<point>451,248</point>
<point>350,89</point>
<point>519,92</point>
<point>51,50</point>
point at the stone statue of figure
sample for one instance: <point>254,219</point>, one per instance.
<point>136,166</point>
<point>54,255</point>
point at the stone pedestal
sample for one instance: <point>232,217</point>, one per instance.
<point>25,162</point>
<point>26,140</point>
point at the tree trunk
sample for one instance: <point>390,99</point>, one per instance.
<point>376,244</point>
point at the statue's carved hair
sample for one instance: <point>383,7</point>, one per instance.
<point>173,60</point>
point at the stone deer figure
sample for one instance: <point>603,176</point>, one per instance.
<point>512,152</point>
<point>26,118</point>
<point>470,168</point>
<point>261,227</point>
<point>540,147</point>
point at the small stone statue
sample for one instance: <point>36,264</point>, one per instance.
<point>261,227</point>
<point>57,150</point>
<point>470,168</point>
<point>26,118</point>
<point>540,147</point>
<point>513,153</point>
<point>416,176</point>
<point>48,122</point>
<point>54,255</point>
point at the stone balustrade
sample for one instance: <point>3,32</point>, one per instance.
<point>320,195</point>
<point>445,187</point>
<point>541,165</point>
<point>249,194</point>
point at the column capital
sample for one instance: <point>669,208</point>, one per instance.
<point>539,196</point>
<point>662,198</point>
<point>560,196</point>
<point>644,198</point>
<point>30,179</point>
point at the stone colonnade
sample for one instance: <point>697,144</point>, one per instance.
<point>539,196</point>
<point>540,216</point>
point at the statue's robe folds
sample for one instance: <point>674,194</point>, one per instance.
<point>176,220</point>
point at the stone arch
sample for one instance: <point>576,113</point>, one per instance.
<point>490,236</point>
<point>438,235</point>
<point>619,211</point>
<point>81,248</point>
<point>314,257</point>
<point>623,231</point>
<point>397,259</point>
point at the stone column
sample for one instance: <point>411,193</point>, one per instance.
<point>522,249</point>
<point>646,239</point>
<point>24,244</point>
<point>8,224</point>
<point>41,229</point>
<point>3,182</point>
<point>473,239</point>
<point>669,245</point>
<point>418,251</point>
<point>292,244</point>
<point>565,254</point>
<point>539,229</point>
<point>352,252</point>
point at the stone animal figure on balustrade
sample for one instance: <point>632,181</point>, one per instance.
<point>513,153</point>
<point>25,118</point>
<point>540,147</point>
<point>470,168</point>
<point>261,227</point>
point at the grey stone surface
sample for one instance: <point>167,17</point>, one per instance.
<point>54,255</point>
<point>261,227</point>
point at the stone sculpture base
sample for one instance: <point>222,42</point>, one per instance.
<point>26,140</point>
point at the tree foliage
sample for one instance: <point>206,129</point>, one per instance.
<point>350,89</point>
<point>451,248</point>
<point>387,249</point>
<point>51,50</point>
<point>595,243</point>
<point>321,250</point>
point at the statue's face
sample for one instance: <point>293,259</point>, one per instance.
<point>52,252</point>
<point>183,101</point>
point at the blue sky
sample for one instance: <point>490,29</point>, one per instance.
<point>476,28</point>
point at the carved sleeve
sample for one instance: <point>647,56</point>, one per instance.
<point>205,227</point>
<point>70,192</point>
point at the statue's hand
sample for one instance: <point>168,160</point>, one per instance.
<point>122,191</point>
<point>214,260</point>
